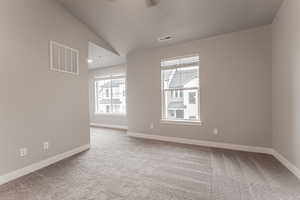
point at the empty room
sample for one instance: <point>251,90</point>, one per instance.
<point>150,100</point>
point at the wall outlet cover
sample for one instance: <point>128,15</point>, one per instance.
<point>216,131</point>
<point>46,145</point>
<point>23,152</point>
<point>152,125</point>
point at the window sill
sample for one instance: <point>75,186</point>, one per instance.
<point>110,114</point>
<point>180,122</point>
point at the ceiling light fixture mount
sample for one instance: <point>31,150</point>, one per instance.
<point>165,38</point>
<point>151,3</point>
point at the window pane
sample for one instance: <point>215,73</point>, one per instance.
<point>110,96</point>
<point>119,97</point>
<point>180,86</point>
<point>179,114</point>
<point>116,108</point>
<point>181,93</point>
<point>102,96</point>
<point>182,108</point>
<point>185,77</point>
<point>107,108</point>
<point>192,97</point>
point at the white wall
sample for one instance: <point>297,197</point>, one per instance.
<point>36,104</point>
<point>110,120</point>
<point>286,81</point>
<point>235,73</point>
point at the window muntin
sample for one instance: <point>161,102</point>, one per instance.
<point>110,95</point>
<point>180,89</point>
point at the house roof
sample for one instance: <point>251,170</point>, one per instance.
<point>176,105</point>
<point>183,77</point>
<point>107,101</point>
<point>115,83</point>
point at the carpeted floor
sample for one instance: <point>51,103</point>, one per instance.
<point>119,168</point>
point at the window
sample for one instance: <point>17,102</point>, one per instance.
<point>116,108</point>
<point>180,89</point>
<point>110,95</point>
<point>179,114</point>
<point>181,93</point>
<point>192,98</point>
<point>192,117</point>
<point>172,113</point>
<point>107,108</point>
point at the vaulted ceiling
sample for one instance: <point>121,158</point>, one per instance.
<point>130,25</point>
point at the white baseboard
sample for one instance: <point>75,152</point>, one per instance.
<point>295,170</point>
<point>109,126</point>
<point>203,143</point>
<point>278,156</point>
<point>36,166</point>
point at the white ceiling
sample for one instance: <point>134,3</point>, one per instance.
<point>129,25</point>
<point>101,57</point>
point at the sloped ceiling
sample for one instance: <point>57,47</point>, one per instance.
<point>130,25</point>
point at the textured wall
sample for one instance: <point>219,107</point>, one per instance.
<point>286,81</point>
<point>36,104</point>
<point>235,73</point>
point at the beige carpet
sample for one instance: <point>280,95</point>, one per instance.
<point>118,168</point>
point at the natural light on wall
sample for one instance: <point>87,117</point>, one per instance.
<point>180,89</point>
<point>110,95</point>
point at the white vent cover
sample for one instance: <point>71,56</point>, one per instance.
<point>63,58</point>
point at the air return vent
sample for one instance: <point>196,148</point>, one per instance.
<point>63,58</point>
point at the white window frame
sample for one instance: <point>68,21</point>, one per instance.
<point>110,77</point>
<point>164,119</point>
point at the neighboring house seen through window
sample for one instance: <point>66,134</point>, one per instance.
<point>110,95</point>
<point>192,98</point>
<point>180,89</point>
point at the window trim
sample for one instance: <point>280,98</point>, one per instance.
<point>111,114</point>
<point>181,122</point>
<point>110,77</point>
<point>163,119</point>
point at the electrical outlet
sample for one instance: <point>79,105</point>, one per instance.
<point>23,152</point>
<point>46,146</point>
<point>152,126</point>
<point>216,131</point>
